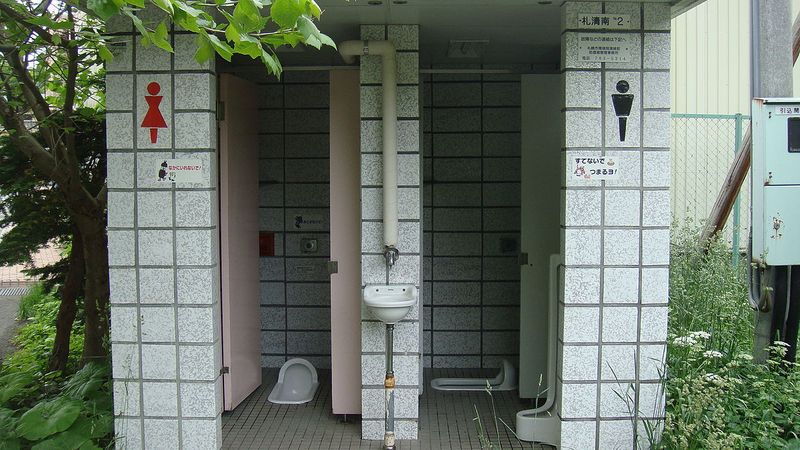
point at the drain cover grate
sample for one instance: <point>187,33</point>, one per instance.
<point>13,292</point>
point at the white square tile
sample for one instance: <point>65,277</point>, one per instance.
<point>158,324</point>
<point>629,164</point>
<point>156,286</point>
<point>119,134</point>
<point>652,362</point>
<point>123,324</point>
<point>581,324</point>
<point>160,398</point>
<point>657,90</point>
<point>657,51</point>
<point>582,89</point>
<point>199,362</point>
<point>126,398</point>
<point>579,363</point>
<point>159,362</point>
<point>201,434</point>
<point>620,324</point>
<point>195,91</point>
<point>121,248</point>
<point>119,169</point>
<point>128,432</point>
<point>578,401</point>
<point>654,324</point>
<point>155,247</point>
<point>583,128</point>
<point>619,363</point>
<point>620,285</point>
<point>147,167</point>
<point>578,435</point>
<point>622,208</point>
<point>657,129</point>
<point>581,285</point>
<point>194,208</point>
<point>185,48</point>
<point>616,434</point>
<point>655,247</point>
<point>154,209</point>
<point>160,434</point>
<point>196,247</point>
<point>125,361</point>
<point>119,92</point>
<point>582,247</point>
<point>151,57</point>
<point>120,209</point>
<point>655,285</point>
<point>196,286</point>
<point>617,400</point>
<point>621,247</point>
<point>656,210</point>
<point>582,208</point>
<point>195,130</point>
<point>196,325</point>
<point>199,399</point>
<point>652,401</point>
<point>122,285</point>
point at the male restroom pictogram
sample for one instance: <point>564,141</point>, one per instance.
<point>153,119</point>
<point>623,102</point>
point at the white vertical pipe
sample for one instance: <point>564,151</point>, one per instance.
<point>385,49</point>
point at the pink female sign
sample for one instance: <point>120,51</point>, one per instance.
<point>153,119</point>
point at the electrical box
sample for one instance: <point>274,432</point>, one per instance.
<point>775,181</point>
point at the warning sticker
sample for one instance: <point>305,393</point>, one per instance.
<point>594,169</point>
<point>180,171</point>
<point>606,48</point>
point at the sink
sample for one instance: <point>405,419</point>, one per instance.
<point>390,303</point>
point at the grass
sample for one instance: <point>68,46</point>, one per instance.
<point>717,397</point>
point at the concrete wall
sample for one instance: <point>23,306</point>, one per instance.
<point>472,219</point>
<point>407,270</point>
<point>294,182</point>
<point>615,237</point>
<point>162,245</point>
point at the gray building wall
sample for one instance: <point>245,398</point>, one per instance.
<point>471,219</point>
<point>615,236</point>
<point>294,183</point>
<point>407,270</point>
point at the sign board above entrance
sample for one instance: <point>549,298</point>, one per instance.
<point>606,48</point>
<point>604,21</point>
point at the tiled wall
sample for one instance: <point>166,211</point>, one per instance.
<point>294,183</point>
<point>471,219</point>
<point>162,246</point>
<point>407,270</point>
<point>615,236</point>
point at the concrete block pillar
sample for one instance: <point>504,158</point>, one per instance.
<point>615,224</point>
<point>408,268</point>
<point>162,245</point>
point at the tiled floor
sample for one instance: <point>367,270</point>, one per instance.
<point>446,420</point>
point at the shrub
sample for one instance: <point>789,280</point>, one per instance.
<point>717,397</point>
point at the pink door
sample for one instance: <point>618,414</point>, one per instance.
<point>238,206</point>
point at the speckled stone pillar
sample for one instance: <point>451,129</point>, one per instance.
<point>615,238</point>
<point>408,267</point>
<point>162,245</point>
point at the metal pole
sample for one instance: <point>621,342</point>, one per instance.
<point>388,386</point>
<point>772,64</point>
<point>736,206</point>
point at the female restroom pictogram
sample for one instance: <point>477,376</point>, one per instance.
<point>153,119</point>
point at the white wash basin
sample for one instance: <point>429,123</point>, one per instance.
<point>390,303</point>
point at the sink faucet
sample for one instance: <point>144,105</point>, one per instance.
<point>391,253</point>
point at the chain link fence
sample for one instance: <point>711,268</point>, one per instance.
<point>703,149</point>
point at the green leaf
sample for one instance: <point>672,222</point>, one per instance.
<point>204,49</point>
<point>13,384</point>
<point>160,37</point>
<point>250,49</point>
<point>314,42</point>
<point>48,22</point>
<point>166,5</point>
<point>105,53</point>
<point>272,63</point>
<point>71,439</point>
<point>194,12</point>
<point>248,16</point>
<point>86,381</point>
<point>222,48</point>
<point>185,21</point>
<point>48,418</point>
<point>137,22</point>
<point>325,39</point>
<point>103,8</point>
<point>136,3</point>
<point>286,12</point>
<point>313,9</point>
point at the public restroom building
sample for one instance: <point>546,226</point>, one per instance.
<point>246,215</point>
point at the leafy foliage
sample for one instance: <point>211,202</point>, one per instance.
<point>41,410</point>
<point>717,397</point>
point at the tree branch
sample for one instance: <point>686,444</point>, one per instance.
<point>41,158</point>
<point>23,21</point>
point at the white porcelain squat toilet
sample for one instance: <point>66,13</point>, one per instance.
<point>297,383</point>
<point>506,380</point>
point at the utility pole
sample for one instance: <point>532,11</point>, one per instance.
<point>771,76</point>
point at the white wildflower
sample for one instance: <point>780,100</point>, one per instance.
<point>712,354</point>
<point>700,335</point>
<point>781,343</point>
<point>745,356</point>
<point>711,377</point>
<point>684,341</point>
